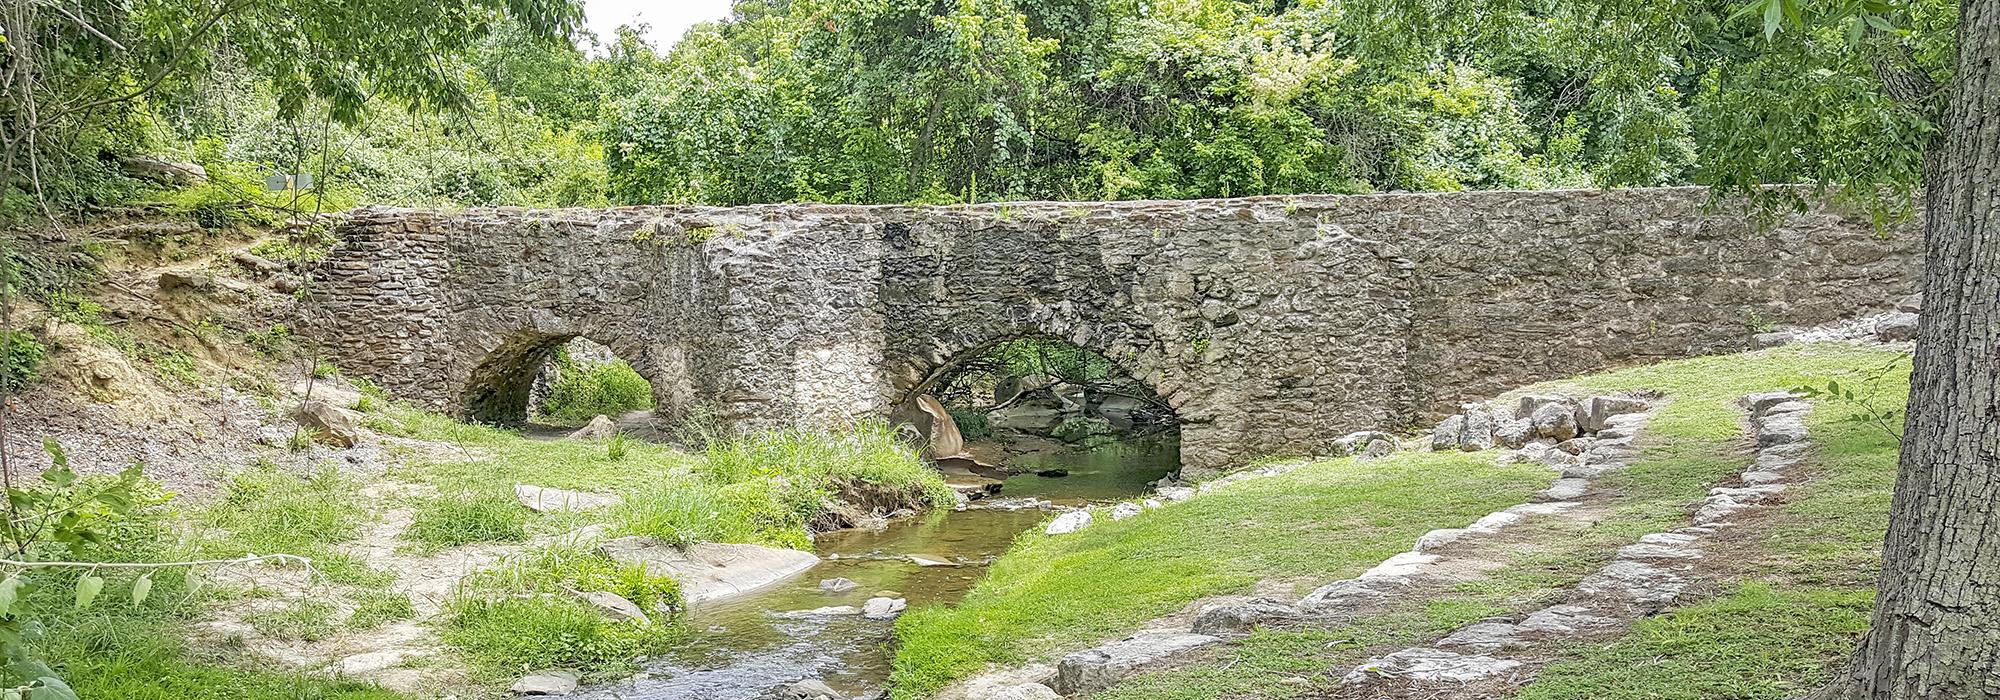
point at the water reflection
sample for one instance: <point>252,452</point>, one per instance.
<point>747,646</point>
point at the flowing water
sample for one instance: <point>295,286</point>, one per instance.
<point>746,646</point>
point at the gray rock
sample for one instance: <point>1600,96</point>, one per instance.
<point>838,585</point>
<point>1773,339</point>
<point>1241,617</point>
<point>921,560</point>
<point>600,427</point>
<point>1576,446</point>
<point>1566,489</point>
<point>1176,494</point>
<point>257,263</point>
<point>1479,426</point>
<point>1371,443</point>
<point>545,683</point>
<point>1597,413</point>
<point>1779,429</point>
<point>543,499</point>
<point>1896,327</point>
<point>330,424</point>
<point>1515,433</point>
<point>191,281</point>
<point>1069,522</point>
<point>1486,636</point>
<point>172,172</point>
<point>1093,670</point>
<point>808,689</point>
<point>1911,304</point>
<point>1421,665</point>
<point>1556,421</point>
<point>829,611</point>
<point>1125,510</point>
<point>1448,434</point>
<point>711,571</point>
<point>1564,620</point>
<point>1636,582</point>
<point>613,606</point>
<point>881,608</point>
<point>1757,404</point>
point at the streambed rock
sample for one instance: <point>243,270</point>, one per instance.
<point>1092,670</point>
<point>883,608</point>
<point>711,571</point>
<point>545,683</point>
<point>543,499</point>
<point>1069,522</point>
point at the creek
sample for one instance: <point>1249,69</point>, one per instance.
<point>746,646</point>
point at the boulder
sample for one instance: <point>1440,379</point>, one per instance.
<point>257,263</point>
<point>1479,426</point>
<point>1514,433</point>
<point>1241,617</point>
<point>1575,446</point>
<point>1026,418</point>
<point>600,427</point>
<point>189,280</point>
<point>1125,510</point>
<point>1896,327</point>
<point>1554,420</point>
<point>330,424</point>
<point>613,606</point>
<point>1093,670</point>
<point>159,169</point>
<point>1596,412</point>
<point>711,571</point>
<point>1773,339</point>
<point>328,391</point>
<point>944,437</point>
<point>1369,443</point>
<point>1446,435</point>
<point>545,683</point>
<point>1069,522</point>
<point>808,689</point>
<point>1911,304</point>
<point>883,608</point>
<point>543,499</point>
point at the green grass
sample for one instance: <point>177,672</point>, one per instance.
<point>1804,598</point>
<point>304,620</point>
<point>466,518</point>
<point>1323,522</point>
<point>581,392</point>
<point>373,609</point>
<point>265,511</point>
<point>1799,610</point>
<point>503,635</point>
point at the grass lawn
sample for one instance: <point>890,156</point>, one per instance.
<point>1803,615</point>
<point>1326,521</point>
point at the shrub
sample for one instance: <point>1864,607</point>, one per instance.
<point>581,391</point>
<point>21,359</point>
<point>459,519</point>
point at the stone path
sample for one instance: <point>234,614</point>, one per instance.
<point>1430,562</point>
<point>1489,658</point>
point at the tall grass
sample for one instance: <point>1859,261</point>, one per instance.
<point>765,487</point>
<point>582,391</point>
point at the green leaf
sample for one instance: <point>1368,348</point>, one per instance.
<point>87,589</point>
<point>141,588</point>
<point>1774,17</point>
<point>56,455</point>
<point>9,590</point>
<point>53,688</point>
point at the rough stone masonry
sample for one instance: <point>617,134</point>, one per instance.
<point>1273,325</point>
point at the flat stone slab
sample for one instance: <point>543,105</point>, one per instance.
<point>711,571</point>
<point>543,499</point>
<point>1564,619</point>
<point>1635,581</point>
<point>1423,665</point>
<point>1092,670</point>
<point>1486,636</point>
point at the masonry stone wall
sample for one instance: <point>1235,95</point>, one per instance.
<point>1273,325</point>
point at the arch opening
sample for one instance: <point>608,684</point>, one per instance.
<point>1041,406</point>
<point>556,381</point>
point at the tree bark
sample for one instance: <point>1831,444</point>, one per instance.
<point>1936,630</point>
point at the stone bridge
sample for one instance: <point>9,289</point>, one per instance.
<point>1272,325</point>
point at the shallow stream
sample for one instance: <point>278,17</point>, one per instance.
<point>746,646</point>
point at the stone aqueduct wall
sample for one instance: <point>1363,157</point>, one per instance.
<point>1274,325</point>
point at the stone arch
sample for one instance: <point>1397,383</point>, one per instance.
<point>498,385</point>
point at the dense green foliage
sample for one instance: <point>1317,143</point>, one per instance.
<point>583,390</point>
<point>913,100</point>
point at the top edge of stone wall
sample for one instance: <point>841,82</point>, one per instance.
<point>1292,200</point>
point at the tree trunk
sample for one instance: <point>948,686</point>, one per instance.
<point>1936,631</point>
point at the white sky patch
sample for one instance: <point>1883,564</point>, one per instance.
<point>670,19</point>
